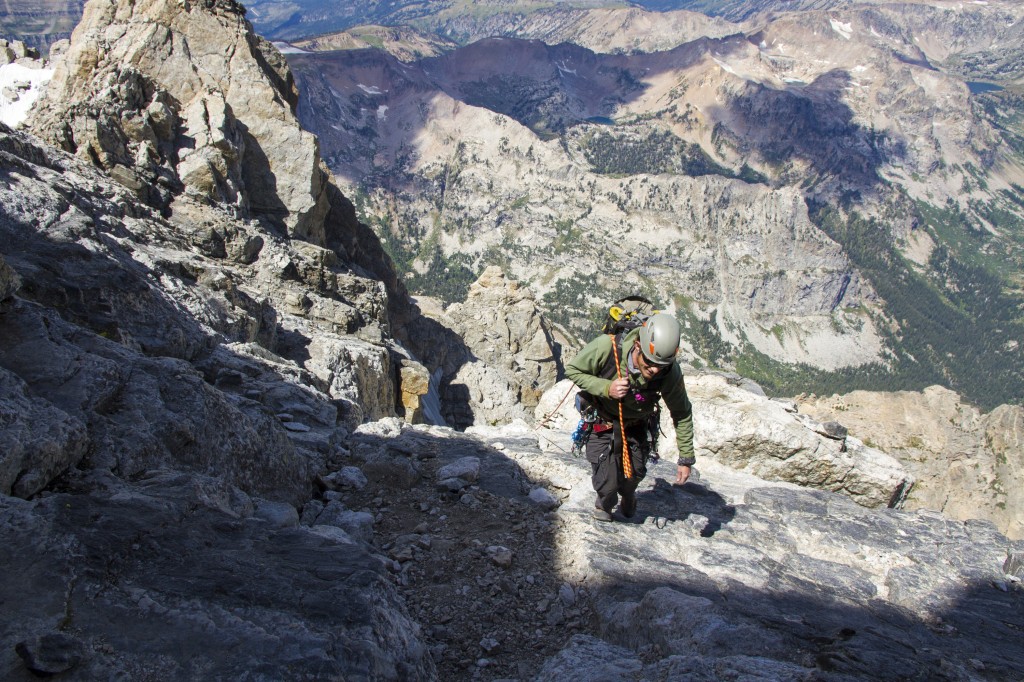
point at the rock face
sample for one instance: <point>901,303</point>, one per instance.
<point>173,576</point>
<point>138,380</point>
<point>735,424</point>
<point>506,356</point>
<point>730,576</point>
<point>968,465</point>
<point>140,94</point>
<point>9,281</point>
<point>179,364</point>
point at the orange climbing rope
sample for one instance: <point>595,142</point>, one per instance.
<point>627,465</point>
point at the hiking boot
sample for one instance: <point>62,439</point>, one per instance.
<point>628,506</point>
<point>601,514</point>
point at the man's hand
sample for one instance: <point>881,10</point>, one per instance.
<point>682,473</point>
<point>618,389</point>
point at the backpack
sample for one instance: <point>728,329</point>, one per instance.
<point>627,313</point>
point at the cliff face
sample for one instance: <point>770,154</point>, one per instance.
<point>192,321</point>
<point>967,464</point>
<point>453,161</point>
<point>187,99</point>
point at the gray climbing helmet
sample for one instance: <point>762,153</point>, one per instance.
<point>659,339</point>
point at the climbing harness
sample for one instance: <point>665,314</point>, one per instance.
<point>589,423</point>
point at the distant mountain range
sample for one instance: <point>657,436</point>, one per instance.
<point>829,199</point>
<point>39,22</point>
<point>829,194</point>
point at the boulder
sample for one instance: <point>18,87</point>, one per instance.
<point>505,355</point>
<point>414,383</point>
<point>750,432</point>
<point>755,434</point>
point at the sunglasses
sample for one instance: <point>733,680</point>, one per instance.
<point>647,363</point>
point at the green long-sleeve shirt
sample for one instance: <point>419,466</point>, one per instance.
<point>585,371</point>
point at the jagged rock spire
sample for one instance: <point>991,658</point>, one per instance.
<point>179,98</point>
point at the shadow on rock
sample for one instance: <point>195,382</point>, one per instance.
<point>799,584</point>
<point>693,503</point>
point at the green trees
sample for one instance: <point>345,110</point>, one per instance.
<point>653,152</point>
<point>957,323</point>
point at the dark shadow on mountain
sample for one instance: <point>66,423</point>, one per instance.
<point>808,123</point>
<point>443,351</point>
<point>260,181</point>
<point>919,59</point>
<point>552,88</point>
<point>436,346</point>
<point>99,291</point>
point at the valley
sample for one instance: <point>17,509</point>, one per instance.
<point>820,212</point>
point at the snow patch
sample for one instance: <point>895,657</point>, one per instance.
<point>725,67</point>
<point>371,89</point>
<point>845,30</point>
<point>288,48</point>
<point>382,112</point>
<point>20,87</point>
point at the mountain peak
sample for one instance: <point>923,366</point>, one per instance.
<point>180,98</point>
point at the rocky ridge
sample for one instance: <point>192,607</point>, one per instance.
<point>130,98</point>
<point>966,464</point>
<point>203,473</point>
<point>609,30</point>
<point>180,365</point>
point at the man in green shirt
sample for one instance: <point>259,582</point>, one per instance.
<point>622,377</point>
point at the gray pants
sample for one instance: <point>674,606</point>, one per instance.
<point>604,452</point>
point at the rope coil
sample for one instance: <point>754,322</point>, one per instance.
<point>627,465</point>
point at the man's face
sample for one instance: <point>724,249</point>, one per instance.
<point>647,370</point>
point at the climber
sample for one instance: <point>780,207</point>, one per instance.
<point>623,377</point>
